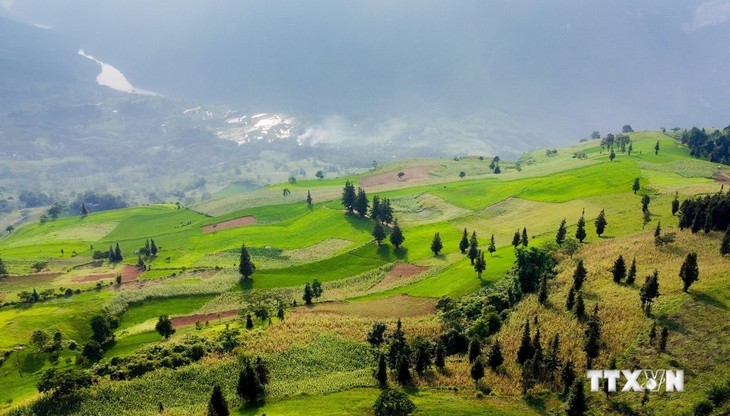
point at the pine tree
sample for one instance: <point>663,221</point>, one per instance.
<point>396,236</point>
<point>675,203</point>
<point>619,269</point>
<point>552,362</point>
<point>381,374</point>
<point>631,277</point>
<point>689,272</point>
<point>217,406</point>
<point>250,388</point>
<point>656,148</point>
<point>592,337</point>
<point>525,352</point>
<point>118,254</point>
<point>317,288</point>
<point>245,265</point>
<point>580,307</point>
<point>567,375</point>
<point>262,371</point>
<point>562,231</point>
<point>524,239</point>
<point>378,232</point>
<point>480,264</point>
<point>386,211</point>
<point>645,200</point>
<point>542,293</point>
<point>375,209</point>
<point>516,239</point>
<point>636,186</point>
<point>652,333</point>
<point>649,291</point>
<point>475,349</point>
<point>111,256</point>
<point>308,294</point>
<point>492,247</point>
<point>579,276</point>
<point>84,210</point>
<point>577,404</point>
<point>310,201</point>
<point>601,223</point>
<point>612,155</point>
<point>403,373</point>
<point>495,358</point>
<point>580,232</point>
<point>249,321</point>
<point>473,252</point>
<point>663,339</point>
<point>349,196</point>
<point>361,202</point>
<point>464,243</point>
<point>436,244</point>
<point>477,371</point>
<point>725,245</point>
<point>570,301</point>
<point>631,148</point>
<point>153,248</point>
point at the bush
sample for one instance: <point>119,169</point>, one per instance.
<point>393,403</point>
<point>704,408</point>
<point>719,393</point>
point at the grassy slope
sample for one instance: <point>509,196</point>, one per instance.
<point>538,197</point>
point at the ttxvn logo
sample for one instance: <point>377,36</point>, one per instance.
<point>638,380</point>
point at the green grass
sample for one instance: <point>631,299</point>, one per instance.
<point>152,309</point>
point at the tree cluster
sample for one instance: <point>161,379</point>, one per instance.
<point>381,210</point>
<point>312,291</point>
<point>252,381</point>
<point>707,213</point>
<point>714,146</point>
<point>115,254</point>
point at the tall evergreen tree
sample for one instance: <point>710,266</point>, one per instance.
<point>675,203</point>
<point>552,361</point>
<point>475,349</point>
<point>153,248</point>
<point>579,275</point>
<point>570,301</point>
<point>645,200</point>
<point>577,403</point>
<point>245,265</point>
<point>308,294</point>
<point>636,186</point>
<point>249,322</point>
<point>436,244</point>
<point>656,148</point>
<point>525,352</point>
<point>464,243</point>
<point>567,375</point>
<point>403,371</point>
<point>495,358</point>
<point>663,339</point>
<point>524,239</point>
<point>396,236</point>
<point>386,211</point>
<point>375,210</point>
<point>690,271</point>
<point>592,337</point>
<point>84,210</point>
<point>480,264</point>
<point>111,256</point>
<point>317,288</point>
<point>118,254</point>
<point>361,202</point>
<point>217,406</point>
<point>580,232</point>
<point>562,231</point>
<point>492,247</point>
<point>725,245</point>
<point>381,374</point>
<point>580,307</point>
<point>378,232</point>
<point>473,251</point>
<point>631,277</point>
<point>601,223</point>
<point>516,239</point>
<point>310,201</point>
<point>349,196</point>
<point>542,293</point>
<point>649,291</point>
<point>250,387</point>
<point>477,371</point>
<point>619,269</point>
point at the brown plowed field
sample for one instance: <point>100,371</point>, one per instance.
<point>191,319</point>
<point>398,272</point>
<point>237,222</point>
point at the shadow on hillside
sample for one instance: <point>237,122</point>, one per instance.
<point>708,299</point>
<point>246,284</point>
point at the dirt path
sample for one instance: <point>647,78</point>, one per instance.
<point>191,319</point>
<point>412,176</point>
<point>237,222</point>
<point>398,272</point>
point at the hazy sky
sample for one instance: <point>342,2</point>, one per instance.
<point>559,68</point>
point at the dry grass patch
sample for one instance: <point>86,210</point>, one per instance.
<point>397,274</point>
<point>319,251</point>
<point>393,307</point>
<point>236,222</point>
<point>414,175</point>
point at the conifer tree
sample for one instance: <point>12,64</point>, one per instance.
<point>436,244</point>
<point>375,210</point>
<point>619,269</point>
<point>562,231</point>
<point>645,200</point>
<point>524,240</point>
<point>567,375</point>
<point>361,202</point>
<point>725,245</point>
<point>495,358</point>
<point>656,148</point>
<point>601,223</point>
<point>663,339</point>
<point>492,247</point>
<point>612,155</point>
<point>480,264</point>
<point>649,291</point>
<point>249,321</point>
<point>580,232</point>
<point>636,186</point>
<point>473,252</point>
<point>378,232</point>
<point>118,254</point>
<point>349,196</point>
<point>217,406</point>
<point>381,374</point>
<point>525,352</point>
<point>153,248</point>
<point>689,272</point>
<point>592,337</point>
<point>386,211</point>
<point>396,236</point>
<point>310,201</point>
<point>580,307</point>
<point>675,203</point>
<point>111,254</point>
<point>552,361</point>
<point>631,148</point>
<point>308,294</point>
<point>464,243</point>
<point>542,293</point>
<point>317,288</point>
<point>570,301</point>
<point>475,349</point>
<point>516,239</point>
<point>403,371</point>
<point>84,210</point>
<point>577,404</point>
<point>579,276</point>
<point>477,371</point>
<point>245,265</point>
<point>631,277</point>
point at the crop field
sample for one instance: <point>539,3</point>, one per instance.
<point>317,354</point>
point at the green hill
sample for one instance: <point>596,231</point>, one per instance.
<point>317,355</point>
